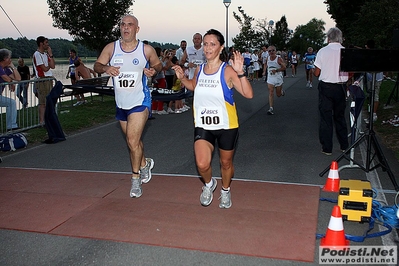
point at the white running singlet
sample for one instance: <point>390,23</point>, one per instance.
<point>214,106</point>
<point>277,78</point>
<point>130,86</point>
<point>196,57</point>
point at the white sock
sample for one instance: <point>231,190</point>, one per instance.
<point>225,190</point>
<point>209,184</point>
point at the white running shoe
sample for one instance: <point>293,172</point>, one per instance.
<point>207,193</point>
<point>271,111</point>
<point>163,112</point>
<point>225,199</point>
<point>145,172</point>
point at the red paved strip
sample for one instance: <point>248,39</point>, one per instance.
<point>266,220</point>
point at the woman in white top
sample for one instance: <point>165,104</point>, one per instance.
<point>215,115</point>
<point>255,60</point>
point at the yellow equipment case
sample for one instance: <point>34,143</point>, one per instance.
<point>355,200</point>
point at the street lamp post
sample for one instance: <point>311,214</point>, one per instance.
<point>227,4</point>
<point>271,24</point>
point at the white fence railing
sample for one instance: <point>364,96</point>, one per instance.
<point>18,102</point>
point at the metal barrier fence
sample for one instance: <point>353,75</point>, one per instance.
<point>19,105</point>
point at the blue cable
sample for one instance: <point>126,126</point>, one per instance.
<point>384,214</point>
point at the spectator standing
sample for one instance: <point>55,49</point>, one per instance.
<point>43,62</point>
<point>247,60</point>
<point>22,88</point>
<point>332,93</point>
<point>193,56</point>
<point>136,62</point>
<point>309,59</point>
<point>177,86</point>
<point>180,51</point>
<point>71,69</point>
<point>8,73</point>
<point>275,67</point>
<point>255,61</point>
<point>264,56</point>
<point>251,71</point>
<point>160,83</point>
<point>169,72</point>
<point>80,98</point>
<point>220,122</point>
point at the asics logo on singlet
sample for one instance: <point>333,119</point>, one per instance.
<point>126,75</point>
<point>135,61</point>
<point>209,112</point>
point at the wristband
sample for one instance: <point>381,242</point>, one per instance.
<point>241,76</point>
<point>51,56</point>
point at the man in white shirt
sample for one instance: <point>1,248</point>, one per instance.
<point>43,61</point>
<point>193,56</point>
<point>180,51</point>
<point>265,55</point>
<point>332,93</point>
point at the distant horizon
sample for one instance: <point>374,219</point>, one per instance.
<point>154,24</point>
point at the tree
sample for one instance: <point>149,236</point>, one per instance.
<point>281,34</point>
<point>311,34</point>
<point>93,23</point>
<point>360,20</point>
<point>344,14</point>
<point>261,25</point>
<point>248,36</point>
<point>380,25</point>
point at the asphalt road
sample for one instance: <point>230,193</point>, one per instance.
<point>281,148</point>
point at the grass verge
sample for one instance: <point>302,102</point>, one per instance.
<point>388,133</point>
<point>77,118</point>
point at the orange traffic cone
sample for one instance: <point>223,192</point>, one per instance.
<point>335,236</point>
<point>332,184</point>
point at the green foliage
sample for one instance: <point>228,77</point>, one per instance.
<point>248,37</point>
<point>388,133</point>
<point>311,34</point>
<point>22,47</point>
<point>93,23</point>
<point>281,34</point>
<point>75,119</point>
<point>361,20</point>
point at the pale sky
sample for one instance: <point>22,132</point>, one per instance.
<point>167,21</point>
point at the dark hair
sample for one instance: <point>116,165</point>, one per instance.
<point>73,51</point>
<point>174,60</point>
<point>219,36</point>
<point>158,50</point>
<point>40,39</point>
<point>77,63</point>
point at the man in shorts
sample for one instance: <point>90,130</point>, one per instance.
<point>275,68</point>
<point>130,62</point>
<point>43,62</point>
